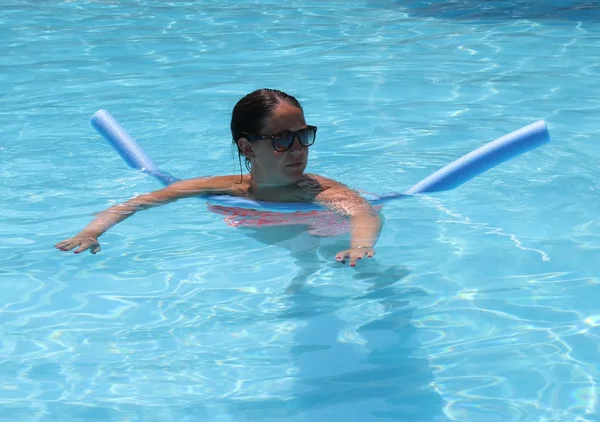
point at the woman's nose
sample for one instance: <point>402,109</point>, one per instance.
<point>296,144</point>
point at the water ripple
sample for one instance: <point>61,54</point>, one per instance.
<point>479,305</point>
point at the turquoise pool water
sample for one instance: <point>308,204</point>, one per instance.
<point>481,303</point>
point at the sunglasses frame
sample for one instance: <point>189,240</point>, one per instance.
<point>294,133</point>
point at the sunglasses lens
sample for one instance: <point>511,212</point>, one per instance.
<point>305,136</point>
<point>283,143</point>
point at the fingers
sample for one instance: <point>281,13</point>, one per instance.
<point>340,257</point>
<point>82,244</point>
<point>356,257</point>
<point>354,254</point>
<point>82,247</point>
<point>67,245</point>
<point>60,245</point>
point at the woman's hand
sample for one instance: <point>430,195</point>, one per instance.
<point>354,254</point>
<point>83,242</point>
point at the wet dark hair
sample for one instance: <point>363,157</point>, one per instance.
<point>251,113</point>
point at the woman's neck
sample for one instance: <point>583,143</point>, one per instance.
<point>257,185</point>
<point>263,186</point>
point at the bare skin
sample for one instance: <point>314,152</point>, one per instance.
<point>275,176</point>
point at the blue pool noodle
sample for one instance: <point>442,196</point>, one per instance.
<point>129,150</point>
<point>448,177</point>
<point>484,158</point>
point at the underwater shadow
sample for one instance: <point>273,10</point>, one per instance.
<point>368,372</point>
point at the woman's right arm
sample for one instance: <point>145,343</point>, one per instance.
<point>88,237</point>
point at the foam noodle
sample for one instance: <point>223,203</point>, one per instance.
<point>127,147</point>
<point>484,158</point>
<point>448,177</point>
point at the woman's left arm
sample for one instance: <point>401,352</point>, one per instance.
<point>365,222</point>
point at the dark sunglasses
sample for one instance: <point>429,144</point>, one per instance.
<point>284,140</point>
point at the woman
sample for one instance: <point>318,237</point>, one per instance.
<point>270,132</point>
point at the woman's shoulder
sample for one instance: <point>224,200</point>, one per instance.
<point>225,179</point>
<point>228,184</point>
<point>324,182</point>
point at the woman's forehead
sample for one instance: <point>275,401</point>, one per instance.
<point>284,118</point>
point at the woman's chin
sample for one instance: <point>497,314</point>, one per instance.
<point>295,172</point>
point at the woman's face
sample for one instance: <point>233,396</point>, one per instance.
<point>274,167</point>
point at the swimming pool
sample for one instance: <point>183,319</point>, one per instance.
<point>480,304</point>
